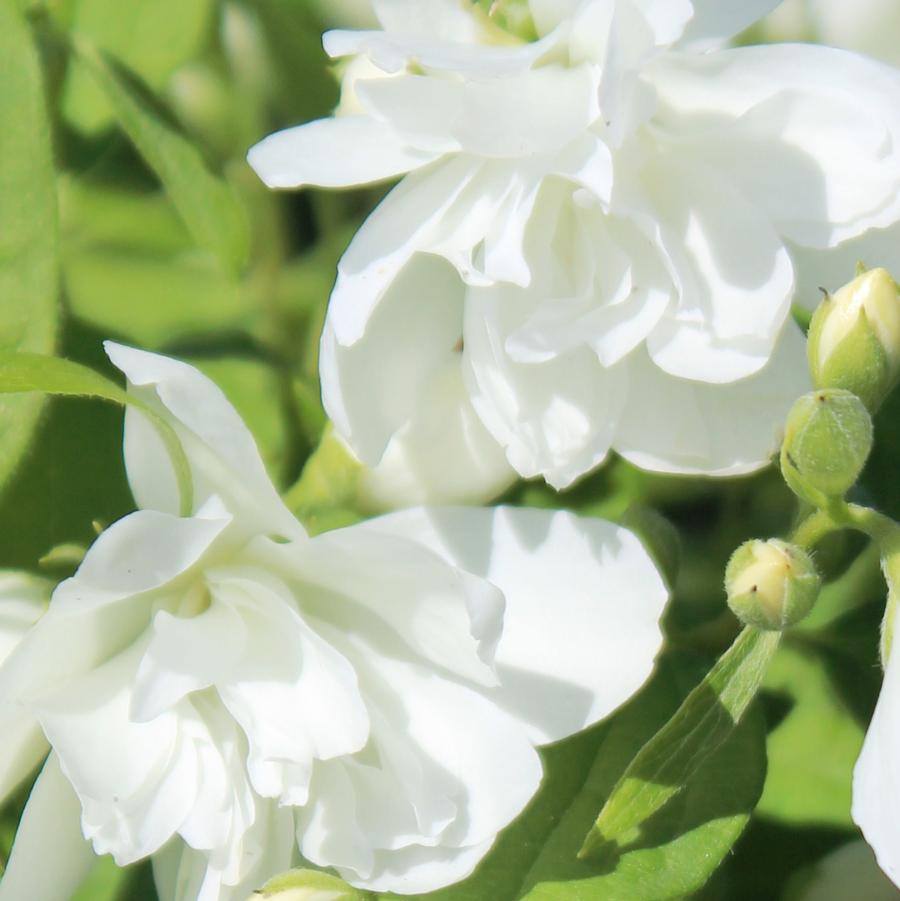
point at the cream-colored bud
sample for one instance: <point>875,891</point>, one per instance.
<point>854,338</point>
<point>308,885</point>
<point>771,584</point>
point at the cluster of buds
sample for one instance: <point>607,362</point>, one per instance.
<point>854,360</point>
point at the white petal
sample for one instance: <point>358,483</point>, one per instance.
<point>876,777</point>
<point>717,20</point>
<point>810,134</point>
<point>331,153</point>
<point>538,111</point>
<point>23,748</point>
<point>447,209</point>
<point>678,426</point>
<point>296,698</point>
<point>443,454</point>
<point>180,873</point>
<point>470,753</point>
<point>50,856</point>
<point>734,278</point>
<point>118,564</point>
<point>373,387</point>
<point>554,418</point>
<point>404,598</point>
<point>223,455</point>
<point>583,603</point>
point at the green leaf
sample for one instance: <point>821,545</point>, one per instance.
<point>664,766</point>
<point>805,785</point>
<point>28,229</point>
<point>536,857</point>
<point>151,39</point>
<point>207,204</point>
<point>25,372</point>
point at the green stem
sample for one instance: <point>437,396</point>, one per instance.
<point>813,529</point>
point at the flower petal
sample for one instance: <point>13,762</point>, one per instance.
<point>223,455</point>
<point>583,603</point>
<point>23,600</point>
<point>734,278</point>
<point>118,564</point>
<point>810,134</point>
<point>50,856</point>
<point>333,153</point>
<point>686,427</point>
<point>405,598</point>
<point>876,786</point>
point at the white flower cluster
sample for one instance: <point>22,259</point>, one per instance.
<point>223,693</point>
<point>591,249</point>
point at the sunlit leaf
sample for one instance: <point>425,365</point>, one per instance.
<point>28,242</point>
<point>206,203</point>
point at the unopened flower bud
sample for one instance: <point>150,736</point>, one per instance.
<point>854,338</point>
<point>771,584</point>
<point>828,436</point>
<point>308,885</point>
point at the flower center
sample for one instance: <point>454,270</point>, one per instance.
<point>194,601</point>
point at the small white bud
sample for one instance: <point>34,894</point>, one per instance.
<point>771,584</point>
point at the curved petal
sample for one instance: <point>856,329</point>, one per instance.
<point>810,134</point>
<point>734,278</point>
<point>685,427</point>
<point>447,209</point>
<point>119,566</point>
<point>327,153</point>
<point>443,454</point>
<point>373,387</point>
<point>50,856</point>
<point>223,455</point>
<point>407,600</point>
<point>181,873</point>
<point>554,418</point>
<point>469,752</point>
<point>583,603</point>
<point>876,778</point>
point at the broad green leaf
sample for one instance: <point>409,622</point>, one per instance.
<point>805,785</point>
<point>663,767</point>
<point>150,38</point>
<point>73,474</point>
<point>28,239</point>
<point>207,204</point>
<point>536,857</point>
<point>26,372</point>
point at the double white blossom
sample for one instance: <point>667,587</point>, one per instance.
<point>591,246</point>
<point>225,694</point>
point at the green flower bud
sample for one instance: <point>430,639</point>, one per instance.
<point>828,436</point>
<point>308,885</point>
<point>854,338</point>
<point>771,584</point>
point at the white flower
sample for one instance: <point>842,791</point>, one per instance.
<point>876,778</point>
<point>224,694</point>
<point>593,227</point>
